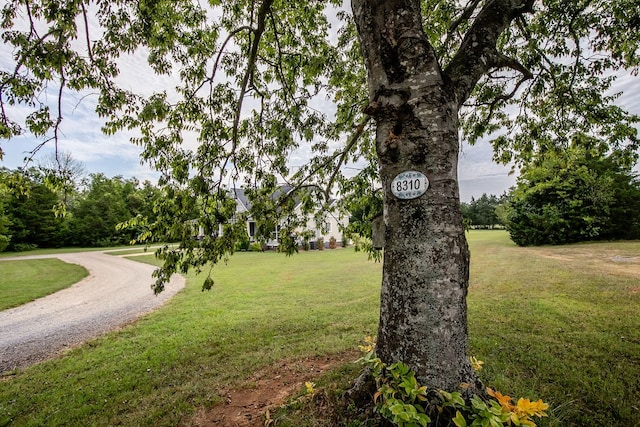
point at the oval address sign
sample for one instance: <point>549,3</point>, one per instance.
<point>409,185</point>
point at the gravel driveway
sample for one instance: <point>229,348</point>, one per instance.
<point>116,292</point>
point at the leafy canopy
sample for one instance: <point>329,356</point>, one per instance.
<point>573,195</point>
<point>252,78</point>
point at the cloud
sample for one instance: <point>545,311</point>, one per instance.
<point>478,173</point>
<point>629,99</point>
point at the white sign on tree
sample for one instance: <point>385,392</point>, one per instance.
<point>409,185</point>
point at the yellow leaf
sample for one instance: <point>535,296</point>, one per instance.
<point>503,400</point>
<point>369,345</point>
<point>475,363</point>
<point>514,419</point>
<point>539,408</point>
<point>310,387</point>
<point>524,407</point>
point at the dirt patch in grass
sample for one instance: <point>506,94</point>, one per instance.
<point>609,261</point>
<point>268,389</point>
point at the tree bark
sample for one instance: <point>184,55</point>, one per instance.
<point>423,315</point>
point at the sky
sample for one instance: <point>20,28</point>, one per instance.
<point>115,155</point>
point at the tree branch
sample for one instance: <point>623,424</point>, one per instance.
<point>478,52</point>
<point>222,48</point>
<point>278,63</point>
<point>86,31</point>
<point>341,155</point>
<point>265,7</point>
<point>502,98</point>
<point>466,14</point>
<point>251,64</point>
<point>344,154</point>
<point>56,129</point>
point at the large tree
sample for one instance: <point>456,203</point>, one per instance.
<point>30,217</point>
<point>405,76</point>
<point>574,195</point>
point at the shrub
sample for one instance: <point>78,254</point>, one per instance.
<point>255,247</point>
<point>306,238</point>
<point>4,242</point>
<point>242,244</point>
<point>332,243</point>
<point>23,247</point>
<point>320,244</point>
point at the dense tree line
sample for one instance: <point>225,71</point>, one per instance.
<point>483,212</point>
<point>581,193</point>
<point>4,220</point>
<point>84,214</point>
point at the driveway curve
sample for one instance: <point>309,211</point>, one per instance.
<point>116,292</point>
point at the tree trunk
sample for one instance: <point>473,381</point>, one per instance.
<point>423,316</point>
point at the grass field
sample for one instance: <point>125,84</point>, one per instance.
<point>557,323</point>
<point>25,280</point>
<point>560,323</point>
<point>119,250</point>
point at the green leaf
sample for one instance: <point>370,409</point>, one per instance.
<point>207,284</point>
<point>459,420</point>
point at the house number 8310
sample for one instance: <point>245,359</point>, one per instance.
<point>409,185</point>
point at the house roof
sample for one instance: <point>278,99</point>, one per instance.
<point>241,198</point>
<point>282,190</point>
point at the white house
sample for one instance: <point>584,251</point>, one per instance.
<point>332,228</point>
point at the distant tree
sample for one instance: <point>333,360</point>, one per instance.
<point>63,172</point>
<point>5,238</point>
<point>482,212</point>
<point>144,205</point>
<point>502,210</point>
<point>577,194</point>
<point>4,219</point>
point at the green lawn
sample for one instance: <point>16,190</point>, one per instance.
<point>560,323</point>
<point>26,280</point>
<point>554,323</point>
<point>117,250</point>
